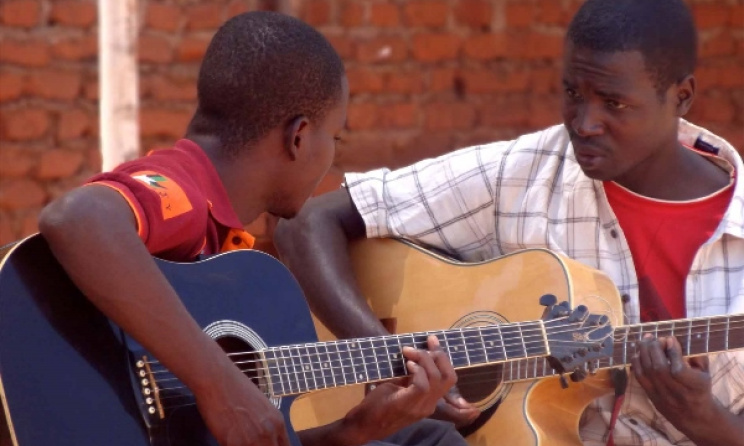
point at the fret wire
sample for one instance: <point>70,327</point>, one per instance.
<point>483,343</point>
<point>503,344</point>
<point>465,347</point>
<point>707,337</point>
<point>301,374</point>
<point>689,337</point>
<point>337,355</point>
<point>388,359</point>
<point>726,337</point>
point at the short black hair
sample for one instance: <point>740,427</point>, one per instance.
<point>261,70</point>
<point>662,30</point>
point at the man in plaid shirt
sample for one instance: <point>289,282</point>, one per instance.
<point>624,185</point>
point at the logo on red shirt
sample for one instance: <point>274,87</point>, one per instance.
<point>173,201</point>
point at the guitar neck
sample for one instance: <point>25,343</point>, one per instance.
<point>301,368</point>
<point>697,336</point>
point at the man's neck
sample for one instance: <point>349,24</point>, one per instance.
<point>685,175</point>
<point>243,181</point>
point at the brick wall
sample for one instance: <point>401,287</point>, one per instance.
<point>426,76</point>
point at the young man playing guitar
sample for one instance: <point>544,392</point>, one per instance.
<point>624,186</point>
<point>272,98</point>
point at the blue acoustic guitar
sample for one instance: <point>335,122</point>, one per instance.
<point>71,377</point>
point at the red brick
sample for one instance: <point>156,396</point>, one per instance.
<point>73,123</point>
<point>170,88</point>
<point>719,44</point>
<point>93,160</point>
<point>710,15</point>
<point>24,124</point>
<point>26,53</point>
<point>542,46</point>
<point>204,16</point>
<point>362,116</point>
<point>504,111</point>
<point>30,222</point>
<point>425,145</point>
<point>154,49</point>
<point>21,13</point>
<point>21,193</point>
<point>55,84</point>
<point>11,86</point>
<point>351,13</point>
<point>493,81</point>
<point>76,48</point>
<point>382,49</point>
<point>400,116</point>
<point>162,122</point>
<point>736,16</point>
<point>732,77</point>
<point>544,80</point>
<point>450,116</point>
<point>715,109</point>
<point>384,15</point>
<point>550,12</point>
<point>474,13</point>
<point>192,49</point>
<point>15,162</point>
<point>431,13</point>
<point>240,6</point>
<point>315,12</point>
<point>442,79</point>
<point>163,17</point>
<point>92,90</point>
<point>487,46</point>
<point>59,163</point>
<point>342,44</point>
<point>7,233</point>
<point>545,110</point>
<point>364,80</point>
<point>435,47</point>
<point>79,13</point>
<point>519,14</point>
<point>404,83</point>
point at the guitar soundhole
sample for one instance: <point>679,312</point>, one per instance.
<point>245,358</point>
<point>478,385</point>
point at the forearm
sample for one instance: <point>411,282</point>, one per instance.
<point>719,427</point>
<point>109,263</point>
<point>314,246</point>
<point>338,433</point>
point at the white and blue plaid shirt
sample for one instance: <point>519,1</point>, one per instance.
<point>485,201</point>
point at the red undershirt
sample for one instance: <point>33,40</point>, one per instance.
<point>664,237</point>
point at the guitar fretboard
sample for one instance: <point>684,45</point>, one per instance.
<point>302,368</point>
<point>696,336</point>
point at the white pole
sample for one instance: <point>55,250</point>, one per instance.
<point>118,80</point>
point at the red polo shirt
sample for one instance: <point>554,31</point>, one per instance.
<point>180,204</point>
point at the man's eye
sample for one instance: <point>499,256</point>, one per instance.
<point>615,105</point>
<point>571,93</point>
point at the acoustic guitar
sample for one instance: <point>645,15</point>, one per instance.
<point>70,377</point>
<point>522,402</point>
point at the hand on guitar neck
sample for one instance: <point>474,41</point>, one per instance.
<point>681,391</point>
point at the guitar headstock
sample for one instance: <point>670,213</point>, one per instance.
<point>575,336</point>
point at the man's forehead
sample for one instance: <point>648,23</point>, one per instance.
<point>617,66</point>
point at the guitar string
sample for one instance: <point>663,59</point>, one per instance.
<point>526,334</point>
<point>316,378</point>
<point>507,376</point>
<point>529,364</point>
<point>375,356</point>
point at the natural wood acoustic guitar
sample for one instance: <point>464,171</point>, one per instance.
<point>410,289</point>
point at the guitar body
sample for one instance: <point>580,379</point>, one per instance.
<point>412,289</point>
<point>69,377</point>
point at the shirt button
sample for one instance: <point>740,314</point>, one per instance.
<point>632,421</point>
<point>613,233</point>
<point>625,298</point>
<point>236,240</point>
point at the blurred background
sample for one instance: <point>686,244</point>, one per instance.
<point>426,77</point>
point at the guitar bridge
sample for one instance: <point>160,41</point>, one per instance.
<point>150,389</point>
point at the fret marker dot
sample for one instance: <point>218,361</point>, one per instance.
<point>307,367</point>
<point>325,364</point>
<point>361,377</point>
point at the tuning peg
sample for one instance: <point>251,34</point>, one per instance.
<point>578,375</point>
<point>548,300</point>
<point>579,314</point>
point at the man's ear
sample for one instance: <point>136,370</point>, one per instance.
<point>685,94</point>
<point>294,135</point>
